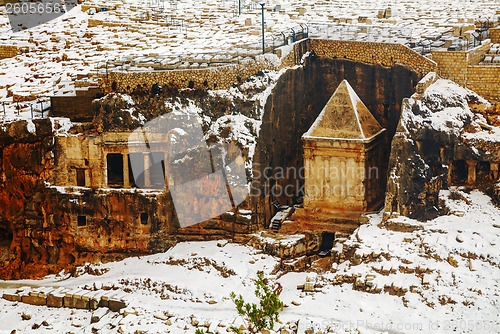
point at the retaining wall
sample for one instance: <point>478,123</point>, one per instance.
<point>462,67</point>
<point>7,51</point>
<point>222,77</point>
<point>484,80</point>
<point>387,54</point>
<point>495,35</point>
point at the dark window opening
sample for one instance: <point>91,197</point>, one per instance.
<point>136,170</point>
<point>459,171</point>
<point>144,218</point>
<point>191,84</point>
<point>82,221</point>
<point>157,170</point>
<point>115,169</point>
<point>80,177</point>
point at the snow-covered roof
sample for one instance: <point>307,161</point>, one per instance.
<point>345,116</point>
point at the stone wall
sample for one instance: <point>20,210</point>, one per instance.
<point>386,54</point>
<point>462,67</point>
<point>495,35</point>
<point>477,54</point>
<point>292,55</point>
<point>484,80</point>
<point>222,77</point>
<point>426,81</point>
<point>77,108</point>
<point>7,51</point>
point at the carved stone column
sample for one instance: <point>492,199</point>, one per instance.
<point>494,169</point>
<point>126,181</point>
<point>165,164</point>
<point>471,178</point>
<point>147,170</point>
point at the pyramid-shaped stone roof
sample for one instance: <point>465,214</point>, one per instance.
<point>344,117</point>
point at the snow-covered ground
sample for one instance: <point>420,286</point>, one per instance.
<point>446,273</point>
<point>69,48</point>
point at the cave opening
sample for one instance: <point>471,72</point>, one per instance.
<point>326,243</point>
<point>483,171</point>
<point>459,172</point>
<point>115,169</point>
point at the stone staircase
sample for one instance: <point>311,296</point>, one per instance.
<point>280,217</point>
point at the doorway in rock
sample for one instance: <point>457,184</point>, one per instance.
<point>483,172</point>
<point>326,243</point>
<point>458,172</point>
<point>115,169</point>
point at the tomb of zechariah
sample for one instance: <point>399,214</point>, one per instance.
<point>343,160</point>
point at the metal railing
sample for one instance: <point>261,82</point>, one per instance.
<point>38,107</point>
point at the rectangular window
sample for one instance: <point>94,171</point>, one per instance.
<point>136,170</point>
<point>144,218</point>
<point>80,177</point>
<point>82,221</point>
<point>115,169</point>
<point>157,170</point>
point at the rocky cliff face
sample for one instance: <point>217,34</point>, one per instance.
<point>445,125</point>
<point>48,224</point>
<point>26,161</point>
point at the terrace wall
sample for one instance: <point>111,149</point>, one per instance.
<point>462,67</point>
<point>495,35</point>
<point>222,77</point>
<point>7,51</point>
<point>386,54</point>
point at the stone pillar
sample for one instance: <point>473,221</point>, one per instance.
<point>450,170</point>
<point>147,179</point>
<point>494,169</point>
<point>165,164</point>
<point>126,181</point>
<point>471,171</point>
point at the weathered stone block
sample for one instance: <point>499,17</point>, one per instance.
<point>116,305</point>
<point>12,297</point>
<point>69,301</point>
<point>54,300</point>
<point>35,300</point>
